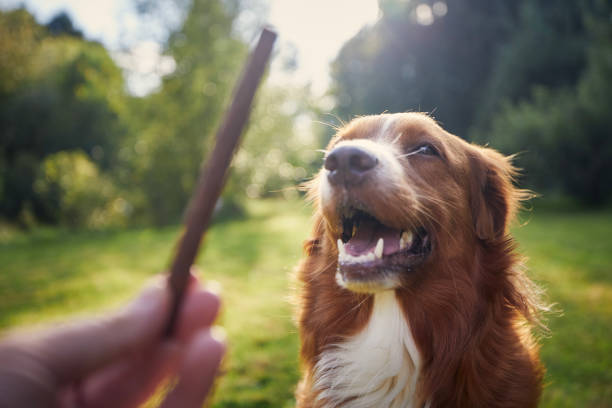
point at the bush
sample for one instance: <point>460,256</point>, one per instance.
<point>75,193</point>
<point>564,135</point>
<point>563,145</point>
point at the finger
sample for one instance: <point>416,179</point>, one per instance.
<point>199,310</point>
<point>66,354</point>
<point>24,382</point>
<point>129,383</point>
<point>36,364</point>
<point>73,350</point>
<point>197,373</point>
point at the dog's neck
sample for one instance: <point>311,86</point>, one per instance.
<point>379,366</point>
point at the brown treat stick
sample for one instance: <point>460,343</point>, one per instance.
<point>212,178</point>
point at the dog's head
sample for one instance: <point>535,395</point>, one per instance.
<point>399,195</point>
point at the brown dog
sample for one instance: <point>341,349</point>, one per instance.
<point>411,291</point>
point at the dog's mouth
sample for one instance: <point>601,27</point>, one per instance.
<point>371,255</point>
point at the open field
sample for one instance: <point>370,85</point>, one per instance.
<point>49,274</point>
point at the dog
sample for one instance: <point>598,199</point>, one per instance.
<point>411,292</point>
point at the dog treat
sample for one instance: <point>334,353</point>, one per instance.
<point>213,176</point>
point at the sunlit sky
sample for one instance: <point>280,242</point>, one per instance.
<point>316,28</point>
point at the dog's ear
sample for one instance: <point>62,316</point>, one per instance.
<point>493,197</point>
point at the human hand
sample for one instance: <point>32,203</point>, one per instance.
<point>117,360</point>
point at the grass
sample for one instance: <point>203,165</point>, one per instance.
<point>51,273</point>
<point>570,254</point>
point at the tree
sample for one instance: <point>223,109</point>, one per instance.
<point>427,56</point>
<point>279,148</point>
<point>66,95</point>
<point>525,76</point>
<point>176,124</point>
<point>61,24</point>
<point>564,132</point>
<point>19,38</point>
<point>546,48</point>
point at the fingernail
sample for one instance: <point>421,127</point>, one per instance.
<point>151,295</point>
<point>157,281</point>
<point>194,271</point>
<point>218,333</point>
<point>214,287</point>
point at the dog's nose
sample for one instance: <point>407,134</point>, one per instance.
<point>349,165</point>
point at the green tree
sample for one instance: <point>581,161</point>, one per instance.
<point>61,24</point>
<point>546,48</point>
<point>19,38</point>
<point>564,133</point>
<point>279,148</point>
<point>429,55</point>
<point>72,190</point>
<point>67,94</point>
<point>176,124</point>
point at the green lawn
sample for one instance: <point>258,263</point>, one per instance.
<point>49,274</point>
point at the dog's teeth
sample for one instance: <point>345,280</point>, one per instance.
<point>405,239</point>
<point>346,258</point>
<point>378,251</point>
<point>354,230</point>
<point>341,250</point>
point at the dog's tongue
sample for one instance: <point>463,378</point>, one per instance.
<point>367,235</point>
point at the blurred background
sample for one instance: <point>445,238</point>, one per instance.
<point>107,110</point>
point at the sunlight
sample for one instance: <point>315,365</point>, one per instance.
<point>318,29</point>
<point>144,65</point>
<point>98,20</point>
<point>424,13</point>
<point>314,30</point>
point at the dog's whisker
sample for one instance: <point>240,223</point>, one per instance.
<point>351,310</point>
<point>406,154</point>
<point>394,141</point>
<point>334,127</point>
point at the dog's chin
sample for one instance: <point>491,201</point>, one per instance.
<point>374,257</point>
<point>366,285</point>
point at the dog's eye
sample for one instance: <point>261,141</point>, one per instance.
<point>425,149</point>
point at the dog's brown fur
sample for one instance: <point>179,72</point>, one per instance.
<point>470,305</point>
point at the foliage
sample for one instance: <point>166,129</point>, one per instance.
<point>564,133</point>
<point>64,94</point>
<point>72,191</point>
<point>51,273</point>
<point>19,37</point>
<point>278,151</point>
<point>150,148</point>
<point>522,76</point>
<point>428,56</point>
<point>546,48</point>
<point>61,24</point>
<point>175,125</point>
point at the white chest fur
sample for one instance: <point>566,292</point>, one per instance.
<point>377,367</point>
